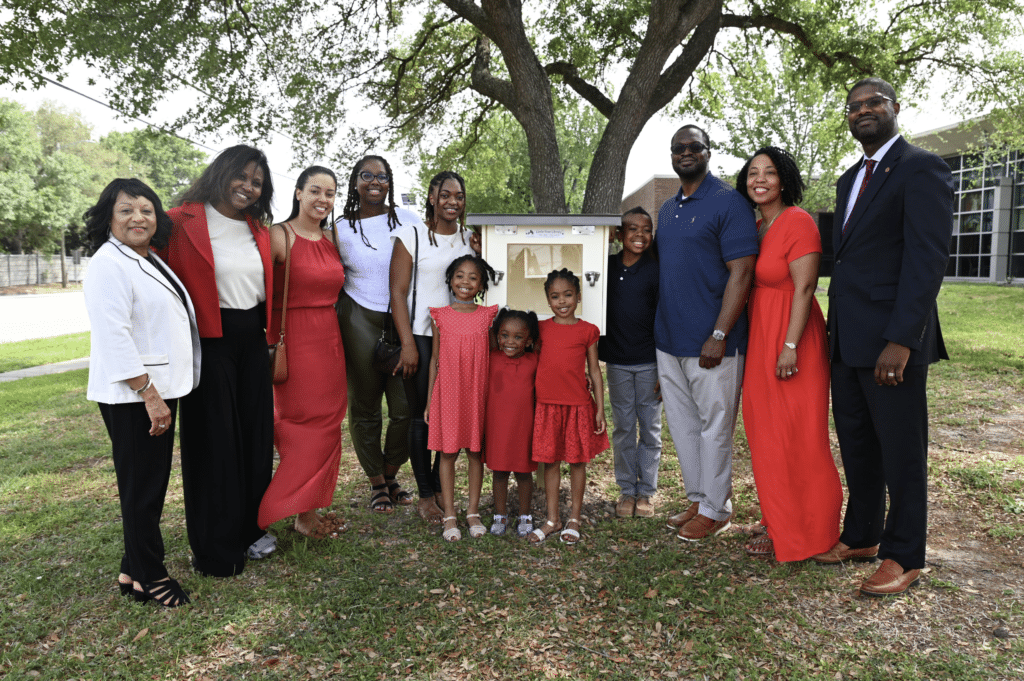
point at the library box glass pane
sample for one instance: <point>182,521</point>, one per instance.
<point>528,266</point>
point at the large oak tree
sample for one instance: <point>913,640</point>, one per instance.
<point>440,68</point>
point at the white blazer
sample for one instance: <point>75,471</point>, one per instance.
<point>139,325</point>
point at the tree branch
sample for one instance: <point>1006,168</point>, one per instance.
<point>675,76</point>
<point>471,12</point>
<point>797,31</point>
<point>571,77</point>
<point>485,82</point>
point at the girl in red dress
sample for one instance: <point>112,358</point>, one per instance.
<point>509,426</point>
<point>569,422</point>
<point>457,386</point>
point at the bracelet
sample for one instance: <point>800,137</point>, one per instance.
<point>149,384</point>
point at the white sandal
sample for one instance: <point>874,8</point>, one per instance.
<point>499,524</point>
<point>451,533</point>
<point>476,531</point>
<point>525,525</point>
<point>568,536</point>
<point>538,536</point>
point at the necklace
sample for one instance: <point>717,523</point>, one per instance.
<point>766,225</point>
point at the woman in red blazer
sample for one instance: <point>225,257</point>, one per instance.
<point>220,249</point>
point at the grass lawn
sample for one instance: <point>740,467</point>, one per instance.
<point>390,599</point>
<point>30,353</point>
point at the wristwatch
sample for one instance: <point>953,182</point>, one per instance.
<point>791,346</point>
<point>718,334</point>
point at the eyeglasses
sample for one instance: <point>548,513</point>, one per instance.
<point>694,147</point>
<point>871,103</point>
<point>367,176</point>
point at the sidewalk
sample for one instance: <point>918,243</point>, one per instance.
<point>45,369</point>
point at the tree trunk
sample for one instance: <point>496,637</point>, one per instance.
<point>647,89</point>
<point>526,93</point>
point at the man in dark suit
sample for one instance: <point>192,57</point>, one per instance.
<point>894,219</point>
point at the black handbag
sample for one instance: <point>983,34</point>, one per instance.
<point>388,349</point>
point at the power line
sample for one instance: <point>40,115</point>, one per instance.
<point>147,123</point>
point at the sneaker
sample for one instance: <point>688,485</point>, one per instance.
<point>624,509</point>
<point>262,547</point>
<point>644,507</point>
<point>701,527</point>
<point>525,526</point>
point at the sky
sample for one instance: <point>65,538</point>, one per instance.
<point>648,158</point>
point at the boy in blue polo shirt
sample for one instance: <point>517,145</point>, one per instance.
<point>627,350</point>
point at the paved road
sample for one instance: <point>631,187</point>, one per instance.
<point>42,316</point>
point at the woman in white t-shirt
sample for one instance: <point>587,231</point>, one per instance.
<point>368,220</point>
<point>443,238</point>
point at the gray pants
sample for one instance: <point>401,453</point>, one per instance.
<point>360,329</point>
<point>635,403</point>
<point>700,408</point>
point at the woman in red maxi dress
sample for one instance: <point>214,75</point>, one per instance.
<point>786,380</point>
<point>309,406</point>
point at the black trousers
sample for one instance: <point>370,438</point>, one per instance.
<point>143,466</point>
<point>428,478</point>
<point>883,438</point>
<point>227,444</point>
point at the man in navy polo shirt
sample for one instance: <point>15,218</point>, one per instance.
<point>707,244</point>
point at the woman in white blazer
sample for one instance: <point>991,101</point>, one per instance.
<point>144,356</point>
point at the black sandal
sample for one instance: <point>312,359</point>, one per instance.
<point>398,495</point>
<point>380,502</point>
<point>166,592</point>
<point>126,587</point>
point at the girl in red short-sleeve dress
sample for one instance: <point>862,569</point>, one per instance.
<point>457,388</point>
<point>569,422</point>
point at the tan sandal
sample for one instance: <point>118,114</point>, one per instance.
<point>476,530</point>
<point>453,533</point>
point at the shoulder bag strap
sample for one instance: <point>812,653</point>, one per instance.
<point>415,275</point>
<point>287,271</point>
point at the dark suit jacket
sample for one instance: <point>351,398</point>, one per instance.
<point>890,261</point>
<point>189,254</point>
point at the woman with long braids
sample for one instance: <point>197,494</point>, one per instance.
<point>441,240</point>
<point>364,230</point>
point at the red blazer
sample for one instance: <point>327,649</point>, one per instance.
<point>190,255</point>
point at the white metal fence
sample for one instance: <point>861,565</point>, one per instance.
<point>33,269</point>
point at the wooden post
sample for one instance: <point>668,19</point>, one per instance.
<point>63,260</point>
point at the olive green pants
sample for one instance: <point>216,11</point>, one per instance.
<point>360,329</point>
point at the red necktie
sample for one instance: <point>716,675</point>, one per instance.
<point>869,165</point>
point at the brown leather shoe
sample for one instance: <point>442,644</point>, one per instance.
<point>644,507</point>
<point>624,509</point>
<point>841,552</point>
<point>680,519</point>
<point>701,527</point>
<point>890,579</point>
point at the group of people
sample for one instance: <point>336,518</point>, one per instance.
<point>184,303</point>
<point>742,316</point>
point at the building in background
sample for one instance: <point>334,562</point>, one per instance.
<point>988,206</point>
